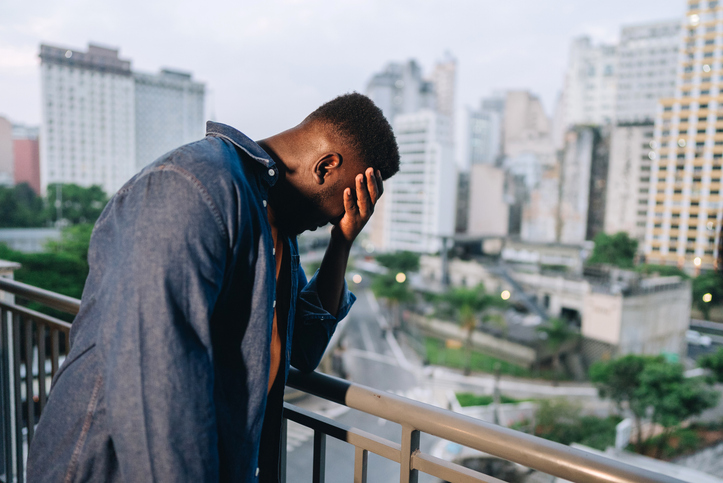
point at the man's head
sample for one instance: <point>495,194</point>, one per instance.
<point>320,158</point>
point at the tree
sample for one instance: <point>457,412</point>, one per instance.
<point>714,362</point>
<point>707,283</point>
<point>618,249</point>
<point>74,240</point>
<point>402,261</point>
<point>643,382</point>
<point>77,204</point>
<point>468,304</point>
<point>557,333</point>
<point>673,397</point>
<point>20,207</point>
<point>386,286</point>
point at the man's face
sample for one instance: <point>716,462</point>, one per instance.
<point>298,210</point>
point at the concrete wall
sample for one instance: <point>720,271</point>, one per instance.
<point>461,273</point>
<point>6,152</point>
<point>601,317</point>
<point>656,322</point>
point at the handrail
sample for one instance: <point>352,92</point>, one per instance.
<point>51,299</point>
<point>531,451</point>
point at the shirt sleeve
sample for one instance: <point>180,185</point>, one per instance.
<point>313,325</point>
<point>165,254</point>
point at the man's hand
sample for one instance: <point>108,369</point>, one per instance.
<point>358,205</point>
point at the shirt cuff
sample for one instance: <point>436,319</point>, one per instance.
<point>309,304</point>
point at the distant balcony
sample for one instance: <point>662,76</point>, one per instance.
<point>33,345</point>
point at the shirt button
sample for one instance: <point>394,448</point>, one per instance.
<point>264,202</point>
<point>257,472</point>
<point>272,172</point>
<point>274,303</point>
<point>274,251</point>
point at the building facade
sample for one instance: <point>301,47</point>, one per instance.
<point>401,89</point>
<point>88,111</point>
<point>169,108</point>
<point>647,69</point>
<point>632,150</point>
<point>589,94</point>
<point>26,152</point>
<point>420,204</point>
<point>488,209</point>
<point>685,206</point>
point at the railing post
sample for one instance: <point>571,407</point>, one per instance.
<point>282,456</point>
<point>361,459</point>
<point>18,426</point>
<point>410,444</point>
<point>319,457</point>
<point>6,404</point>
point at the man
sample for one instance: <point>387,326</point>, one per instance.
<point>196,304</point>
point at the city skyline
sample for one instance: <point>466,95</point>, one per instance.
<point>528,45</point>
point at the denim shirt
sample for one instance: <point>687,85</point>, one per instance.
<point>168,371</point>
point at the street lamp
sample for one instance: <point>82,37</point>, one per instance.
<point>401,277</point>
<point>357,278</point>
<point>505,295</point>
<point>707,298</point>
<point>696,261</point>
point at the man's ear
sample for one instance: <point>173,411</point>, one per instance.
<point>325,166</point>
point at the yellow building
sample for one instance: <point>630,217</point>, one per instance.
<point>685,204</point>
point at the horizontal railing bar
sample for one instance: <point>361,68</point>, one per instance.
<point>37,317</point>
<point>54,300</point>
<point>531,451</point>
<point>354,436</point>
<point>448,471</point>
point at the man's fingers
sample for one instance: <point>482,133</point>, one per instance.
<point>372,185</point>
<point>349,201</point>
<point>362,197</point>
<point>380,182</point>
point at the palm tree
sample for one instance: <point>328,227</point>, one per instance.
<point>557,333</point>
<point>468,304</point>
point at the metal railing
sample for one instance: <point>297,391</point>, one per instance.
<point>24,351</point>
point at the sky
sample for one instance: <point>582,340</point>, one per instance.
<point>267,64</point>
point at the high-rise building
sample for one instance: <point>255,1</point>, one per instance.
<point>420,205</point>
<point>401,89</point>
<point>631,154</point>
<point>26,153</point>
<point>589,94</point>
<point>485,136</point>
<point>419,202</point>
<point>527,129</point>
<point>102,122</point>
<point>6,152</point>
<point>169,109</point>
<point>443,78</point>
<point>685,205</point>
<point>583,184</point>
<point>87,135</point>
<point>647,69</point>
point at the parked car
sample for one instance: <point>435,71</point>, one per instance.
<point>696,338</point>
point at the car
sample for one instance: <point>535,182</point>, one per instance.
<point>696,338</point>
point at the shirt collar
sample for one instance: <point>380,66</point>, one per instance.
<point>241,141</point>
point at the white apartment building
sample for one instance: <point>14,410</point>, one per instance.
<point>420,204</point>
<point>589,94</point>
<point>169,109</point>
<point>632,151</point>
<point>87,135</point>
<point>685,205</point>
<point>401,89</point>
<point>647,68</point>
<point>6,153</point>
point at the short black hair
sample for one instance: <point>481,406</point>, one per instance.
<point>363,127</point>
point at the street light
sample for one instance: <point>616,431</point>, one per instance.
<point>505,295</point>
<point>401,277</point>
<point>696,261</point>
<point>707,298</point>
<point>356,278</point>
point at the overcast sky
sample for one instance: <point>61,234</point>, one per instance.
<point>268,63</point>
